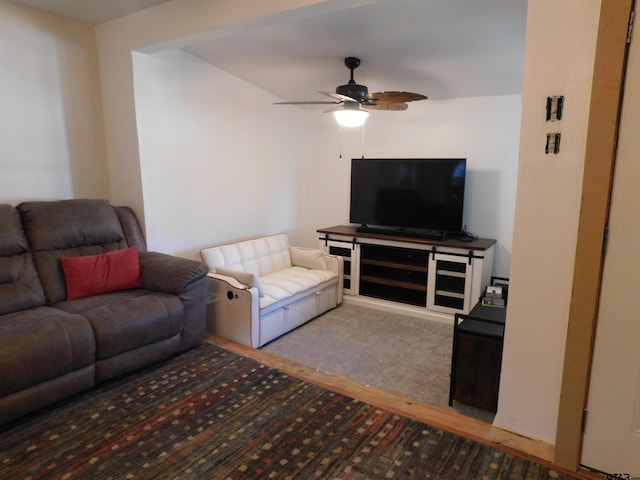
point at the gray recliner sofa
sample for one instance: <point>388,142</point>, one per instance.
<point>52,347</point>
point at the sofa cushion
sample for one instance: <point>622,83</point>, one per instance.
<point>20,287</point>
<point>41,344</point>
<point>95,274</point>
<point>68,228</point>
<point>291,281</point>
<point>260,256</point>
<point>126,320</point>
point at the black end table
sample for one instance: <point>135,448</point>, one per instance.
<point>477,356</point>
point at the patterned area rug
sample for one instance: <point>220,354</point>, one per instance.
<point>211,414</point>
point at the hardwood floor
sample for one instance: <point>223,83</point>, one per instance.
<point>451,421</point>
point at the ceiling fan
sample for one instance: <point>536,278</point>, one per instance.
<point>350,97</point>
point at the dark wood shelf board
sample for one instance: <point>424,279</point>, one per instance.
<point>398,266</point>
<point>393,283</point>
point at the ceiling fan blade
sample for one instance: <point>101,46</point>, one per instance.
<point>306,102</point>
<point>395,107</point>
<point>389,98</point>
<point>340,97</point>
<point>357,96</point>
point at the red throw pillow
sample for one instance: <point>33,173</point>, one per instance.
<point>95,274</point>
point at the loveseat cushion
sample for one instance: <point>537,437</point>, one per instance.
<point>68,228</point>
<point>41,344</point>
<point>290,281</point>
<point>127,320</point>
<point>20,287</point>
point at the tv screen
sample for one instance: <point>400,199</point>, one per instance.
<point>412,194</point>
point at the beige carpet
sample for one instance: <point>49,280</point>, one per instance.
<point>401,354</point>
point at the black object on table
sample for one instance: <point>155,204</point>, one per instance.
<point>477,356</point>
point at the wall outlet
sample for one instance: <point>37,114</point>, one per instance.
<point>553,143</point>
<point>554,108</point>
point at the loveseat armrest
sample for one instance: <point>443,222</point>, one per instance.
<point>231,281</point>
<point>335,263</point>
<point>233,310</point>
<point>169,274</point>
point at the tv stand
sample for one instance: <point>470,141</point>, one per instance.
<point>392,270</point>
<point>403,232</point>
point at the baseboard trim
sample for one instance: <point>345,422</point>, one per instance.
<point>531,446</point>
<point>398,308</point>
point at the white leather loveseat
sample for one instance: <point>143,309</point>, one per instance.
<point>262,288</point>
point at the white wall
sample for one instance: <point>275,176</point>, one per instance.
<point>215,147</point>
<point>157,28</point>
<point>484,130</point>
<point>51,129</point>
<point>218,162</point>
<point>559,60</point>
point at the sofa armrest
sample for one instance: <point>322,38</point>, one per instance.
<point>184,278</point>
<point>169,274</point>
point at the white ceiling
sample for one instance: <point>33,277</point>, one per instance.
<point>439,48</point>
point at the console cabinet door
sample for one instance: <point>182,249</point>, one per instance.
<point>349,252</point>
<point>449,283</point>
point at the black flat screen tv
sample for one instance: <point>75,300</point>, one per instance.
<point>424,195</point>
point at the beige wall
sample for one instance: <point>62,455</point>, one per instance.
<point>51,129</point>
<point>559,60</point>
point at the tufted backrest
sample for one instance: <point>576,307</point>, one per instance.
<point>68,228</point>
<point>19,285</point>
<point>260,256</point>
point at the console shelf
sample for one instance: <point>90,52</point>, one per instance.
<point>425,277</point>
<point>404,270</point>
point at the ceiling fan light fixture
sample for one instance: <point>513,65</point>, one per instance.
<point>350,117</point>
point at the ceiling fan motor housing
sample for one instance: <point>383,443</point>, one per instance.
<point>353,90</point>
